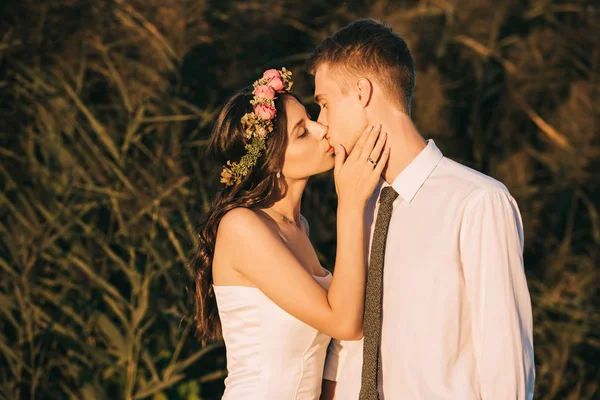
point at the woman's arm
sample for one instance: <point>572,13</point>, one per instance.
<point>261,256</point>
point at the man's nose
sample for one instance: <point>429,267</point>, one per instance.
<point>322,119</point>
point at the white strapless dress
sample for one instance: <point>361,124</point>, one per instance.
<point>270,354</point>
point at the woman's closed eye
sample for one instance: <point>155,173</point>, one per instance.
<point>303,132</point>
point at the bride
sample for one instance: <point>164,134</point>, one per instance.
<point>259,283</point>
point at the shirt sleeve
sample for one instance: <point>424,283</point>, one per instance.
<point>334,361</point>
<point>491,246</point>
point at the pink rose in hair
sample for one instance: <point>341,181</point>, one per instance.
<point>264,91</point>
<point>265,111</point>
<point>271,73</point>
<point>276,83</point>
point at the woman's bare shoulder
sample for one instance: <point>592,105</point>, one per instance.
<point>242,233</point>
<point>245,224</point>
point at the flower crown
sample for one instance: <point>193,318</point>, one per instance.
<point>259,123</point>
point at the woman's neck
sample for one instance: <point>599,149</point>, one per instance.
<point>289,204</point>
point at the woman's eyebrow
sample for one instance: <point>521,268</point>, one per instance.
<point>297,125</point>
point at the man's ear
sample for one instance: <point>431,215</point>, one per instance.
<point>364,89</point>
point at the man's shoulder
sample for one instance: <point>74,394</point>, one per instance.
<point>468,179</point>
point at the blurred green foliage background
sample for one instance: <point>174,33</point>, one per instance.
<point>105,108</point>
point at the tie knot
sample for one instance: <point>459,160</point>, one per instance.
<point>387,196</point>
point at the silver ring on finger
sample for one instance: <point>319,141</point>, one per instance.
<point>371,161</point>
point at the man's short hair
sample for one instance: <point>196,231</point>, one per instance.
<point>370,48</point>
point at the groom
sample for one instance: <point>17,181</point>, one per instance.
<point>447,313</point>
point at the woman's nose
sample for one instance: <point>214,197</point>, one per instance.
<point>321,130</point>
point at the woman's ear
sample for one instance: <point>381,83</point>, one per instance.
<point>364,89</point>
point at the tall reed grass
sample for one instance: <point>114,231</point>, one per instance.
<point>106,108</point>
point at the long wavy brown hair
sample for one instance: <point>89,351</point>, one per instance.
<point>259,188</point>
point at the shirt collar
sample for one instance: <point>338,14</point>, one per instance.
<point>410,180</point>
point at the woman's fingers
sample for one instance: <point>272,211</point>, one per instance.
<point>382,162</point>
<point>367,148</point>
<point>340,157</point>
<point>379,145</point>
<point>362,140</point>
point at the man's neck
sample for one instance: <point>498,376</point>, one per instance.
<point>404,140</point>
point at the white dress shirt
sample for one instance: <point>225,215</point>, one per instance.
<point>456,319</point>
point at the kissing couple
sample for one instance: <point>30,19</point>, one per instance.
<point>428,298</point>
